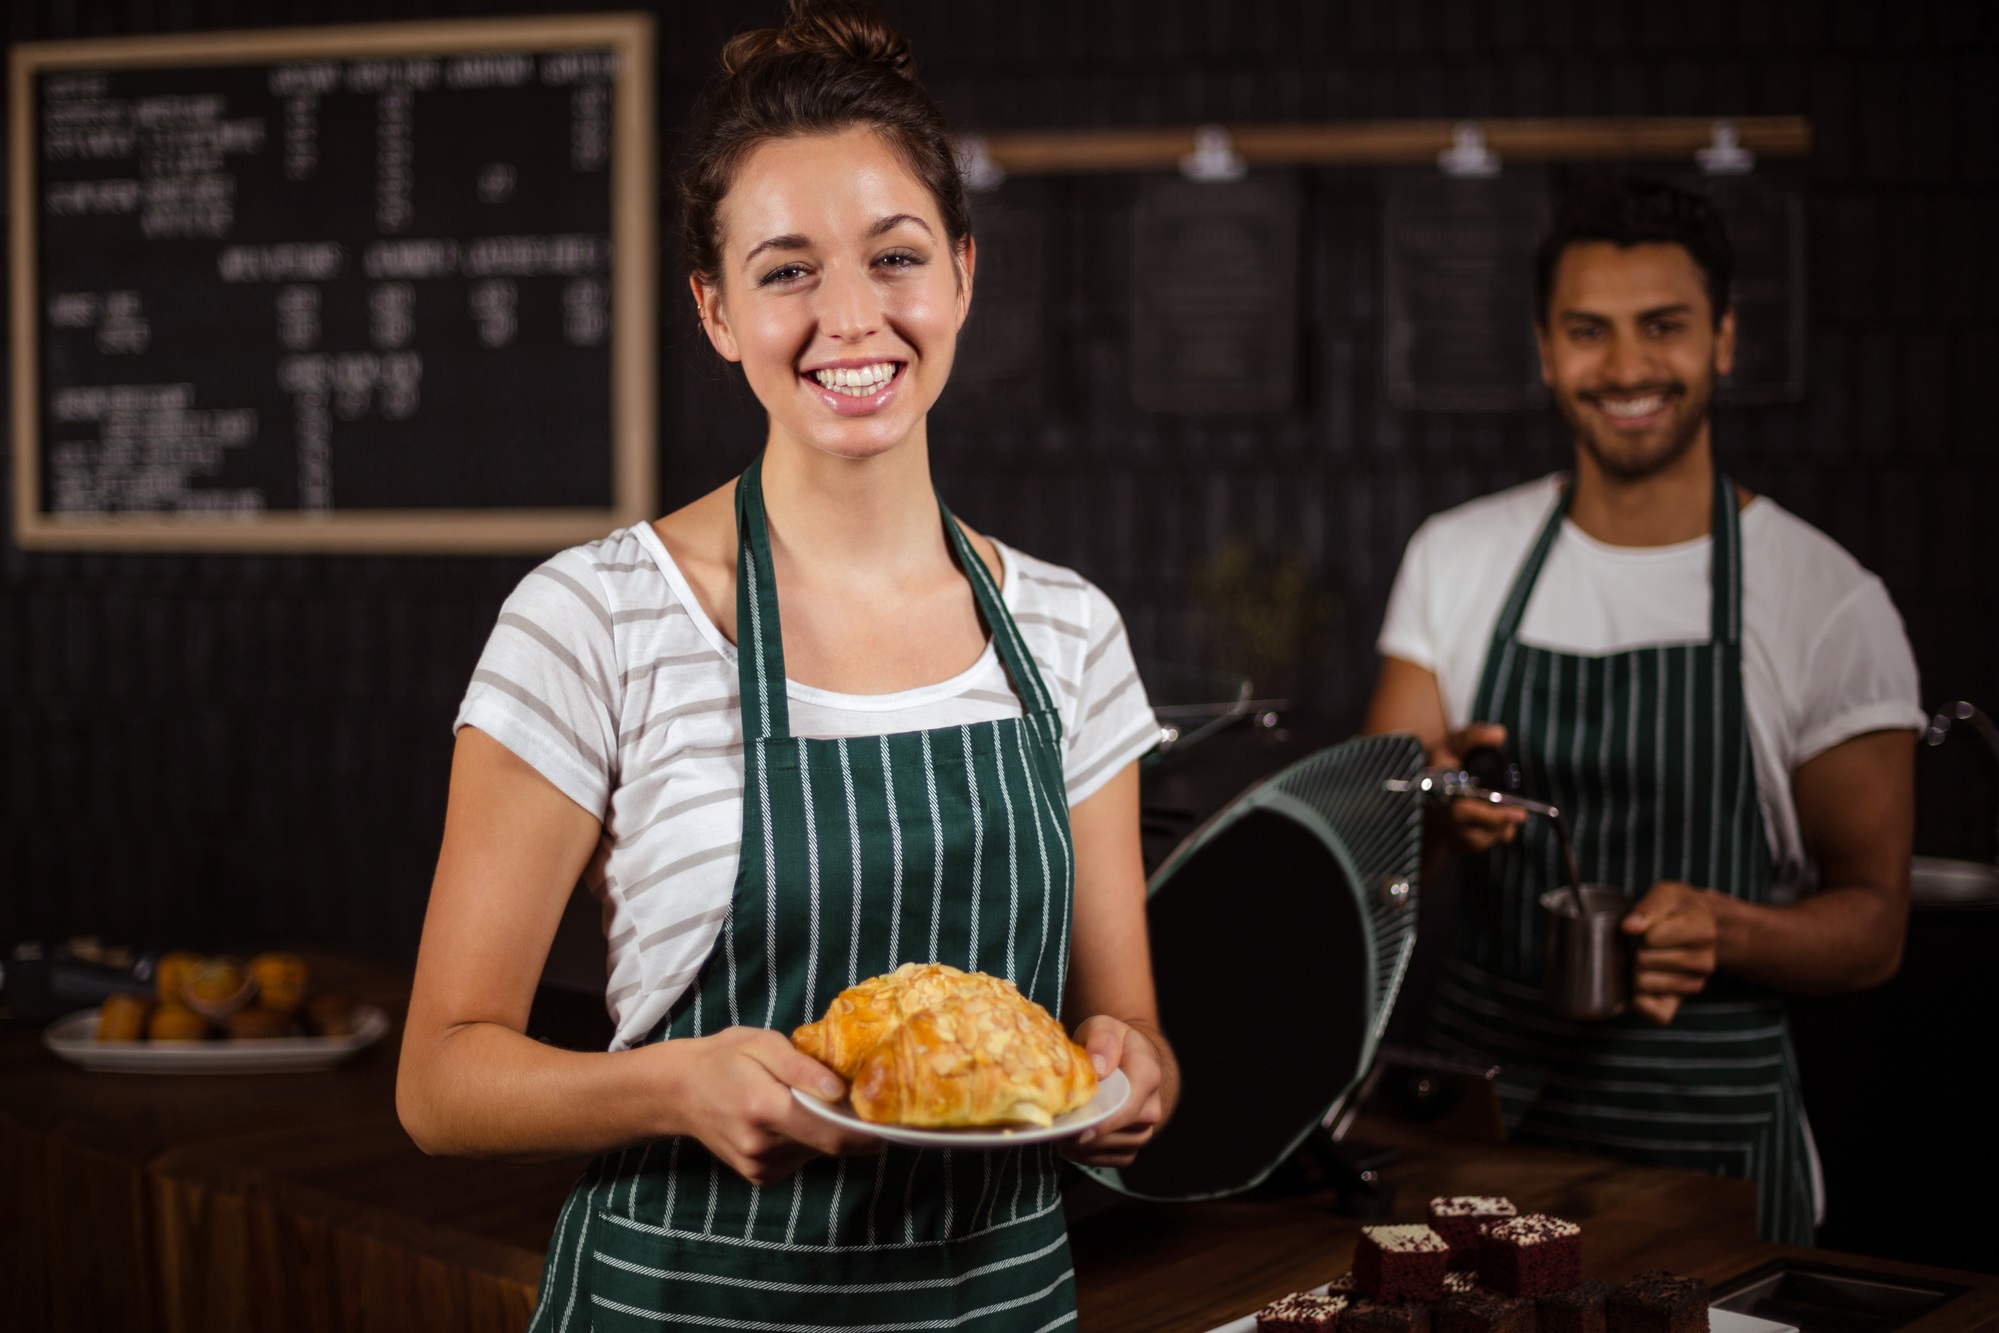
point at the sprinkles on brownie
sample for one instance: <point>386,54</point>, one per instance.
<point>1301,1310</point>
<point>1400,1263</point>
<point>1459,1219</point>
<point>1530,1256</point>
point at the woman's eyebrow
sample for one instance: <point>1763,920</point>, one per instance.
<point>894,220</point>
<point>789,241</point>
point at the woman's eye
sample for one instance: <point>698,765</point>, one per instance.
<point>899,259</point>
<point>782,274</point>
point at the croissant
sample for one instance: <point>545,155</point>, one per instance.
<point>930,1046</point>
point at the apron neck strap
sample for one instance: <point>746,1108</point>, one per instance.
<point>1724,576</point>
<point>760,641</point>
<point>1013,653</point>
<point>1725,564</point>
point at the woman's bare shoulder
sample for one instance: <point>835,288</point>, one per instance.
<point>701,538</point>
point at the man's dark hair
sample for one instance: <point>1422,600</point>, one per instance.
<point>1628,211</point>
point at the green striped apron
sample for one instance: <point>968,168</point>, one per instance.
<point>1647,752</point>
<point>950,845</point>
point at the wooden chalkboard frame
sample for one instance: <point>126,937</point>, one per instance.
<point>633,315</point>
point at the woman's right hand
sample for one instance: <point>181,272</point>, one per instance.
<point>732,1091</point>
<point>1470,825</point>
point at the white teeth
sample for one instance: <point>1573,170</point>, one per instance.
<point>1632,407</point>
<point>857,383</point>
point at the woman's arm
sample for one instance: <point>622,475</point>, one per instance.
<point>1110,973</point>
<point>472,1083</point>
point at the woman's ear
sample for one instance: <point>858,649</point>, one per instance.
<point>966,259</point>
<point>714,322</point>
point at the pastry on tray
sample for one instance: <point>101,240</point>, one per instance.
<point>932,1047</point>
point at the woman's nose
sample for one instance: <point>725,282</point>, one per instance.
<point>849,306</point>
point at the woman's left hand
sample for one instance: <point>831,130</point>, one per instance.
<point>1147,1062</point>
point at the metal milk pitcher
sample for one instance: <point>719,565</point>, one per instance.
<point>1588,969</point>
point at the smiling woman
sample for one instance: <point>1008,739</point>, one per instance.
<point>929,757</point>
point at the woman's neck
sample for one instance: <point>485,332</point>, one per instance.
<point>873,519</point>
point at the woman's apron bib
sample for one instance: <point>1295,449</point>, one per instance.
<point>858,855</point>
<point>1647,754</point>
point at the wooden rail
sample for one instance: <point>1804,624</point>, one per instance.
<point>1397,142</point>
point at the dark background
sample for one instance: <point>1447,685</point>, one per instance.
<point>211,749</point>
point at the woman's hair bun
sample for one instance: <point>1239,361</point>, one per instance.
<point>837,32</point>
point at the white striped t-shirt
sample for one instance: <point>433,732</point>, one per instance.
<point>607,677</point>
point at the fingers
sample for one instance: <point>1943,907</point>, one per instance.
<point>1481,825</point>
<point>1451,753</point>
<point>1102,1037</point>
<point>1659,1008</point>
<point>792,1067</point>
<point>1116,1141</point>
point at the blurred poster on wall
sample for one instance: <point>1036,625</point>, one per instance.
<point>1458,278</point>
<point>1214,296</point>
<point>1766,227</point>
<point>1005,341</point>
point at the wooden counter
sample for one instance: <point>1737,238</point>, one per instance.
<point>296,1201</point>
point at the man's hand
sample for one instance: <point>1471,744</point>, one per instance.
<point>1468,825</point>
<point>1678,936</point>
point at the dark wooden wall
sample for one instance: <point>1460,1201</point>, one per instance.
<point>198,749</point>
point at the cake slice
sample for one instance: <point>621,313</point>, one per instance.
<point>1400,1263</point>
<point>1460,1218</point>
<point>1301,1310</point>
<point>1657,1302</point>
<point>1530,1256</point>
<point>1577,1309</point>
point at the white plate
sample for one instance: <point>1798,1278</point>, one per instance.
<point>1112,1091</point>
<point>75,1040</point>
<point>1719,1321</point>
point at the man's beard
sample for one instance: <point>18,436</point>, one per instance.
<point>1629,460</point>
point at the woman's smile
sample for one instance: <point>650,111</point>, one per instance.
<point>856,387</point>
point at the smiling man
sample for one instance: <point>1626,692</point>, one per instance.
<point>1721,700</point>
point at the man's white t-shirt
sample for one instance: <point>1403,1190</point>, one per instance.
<point>1824,654</point>
<point>607,677</point>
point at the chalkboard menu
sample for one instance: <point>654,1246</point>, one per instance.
<point>1458,273</point>
<point>1215,296</point>
<point>381,288</point>
<point>1766,228</point>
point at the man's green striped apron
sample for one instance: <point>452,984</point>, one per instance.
<point>1647,753</point>
<point>949,845</point>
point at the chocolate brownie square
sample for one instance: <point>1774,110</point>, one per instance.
<point>1578,1309</point>
<point>1301,1312</point>
<point>1457,1281</point>
<point>1657,1302</point>
<point>1400,1263</point>
<point>1482,1311</point>
<point>1530,1256</point>
<point>1459,1219</point>
<point>1370,1316</point>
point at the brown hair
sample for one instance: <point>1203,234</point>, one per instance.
<point>831,66</point>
